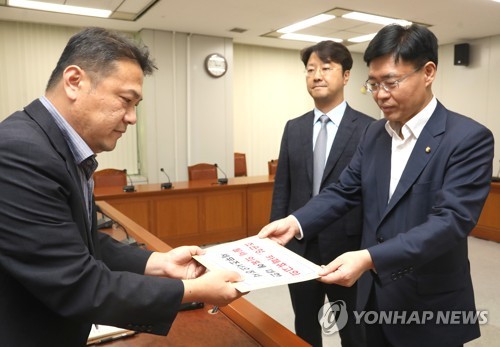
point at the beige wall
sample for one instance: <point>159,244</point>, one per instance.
<point>270,89</point>
<point>188,117</point>
<point>473,90</point>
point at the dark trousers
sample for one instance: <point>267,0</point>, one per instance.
<point>308,298</point>
<point>374,332</point>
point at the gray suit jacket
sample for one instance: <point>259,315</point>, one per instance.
<point>57,275</point>
<point>294,177</point>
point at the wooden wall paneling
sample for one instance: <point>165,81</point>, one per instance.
<point>224,214</point>
<point>259,200</point>
<point>176,217</point>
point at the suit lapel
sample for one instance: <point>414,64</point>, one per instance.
<point>382,164</point>
<point>306,134</point>
<point>44,119</point>
<point>427,144</point>
<point>344,133</point>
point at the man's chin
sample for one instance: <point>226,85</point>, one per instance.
<point>107,147</point>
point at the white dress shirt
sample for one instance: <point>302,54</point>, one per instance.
<point>335,116</point>
<point>402,146</point>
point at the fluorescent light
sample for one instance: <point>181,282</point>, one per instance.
<point>308,38</point>
<point>45,6</point>
<point>306,23</point>
<point>363,38</point>
<point>370,18</point>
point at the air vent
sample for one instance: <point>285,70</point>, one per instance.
<point>238,30</point>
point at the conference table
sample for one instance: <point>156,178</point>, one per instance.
<point>237,324</point>
<point>205,212</point>
<point>196,212</point>
<point>488,225</point>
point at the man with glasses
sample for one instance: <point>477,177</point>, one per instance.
<point>422,176</point>
<point>301,174</point>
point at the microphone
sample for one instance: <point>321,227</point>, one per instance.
<point>221,180</point>
<point>166,185</point>
<point>497,177</point>
<point>129,188</point>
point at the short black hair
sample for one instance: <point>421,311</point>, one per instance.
<point>415,44</point>
<point>329,51</point>
<point>96,50</point>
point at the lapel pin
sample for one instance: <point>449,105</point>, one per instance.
<point>427,150</point>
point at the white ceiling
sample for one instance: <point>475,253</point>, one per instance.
<point>453,21</point>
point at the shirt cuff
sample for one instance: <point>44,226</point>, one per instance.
<point>300,236</point>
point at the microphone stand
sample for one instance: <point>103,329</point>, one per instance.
<point>166,185</point>
<point>221,180</point>
<point>129,188</point>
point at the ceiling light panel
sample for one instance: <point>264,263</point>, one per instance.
<point>347,25</point>
<point>306,23</point>
<point>341,28</point>
<point>111,5</point>
<point>362,38</point>
<point>307,38</point>
<point>56,7</point>
<point>370,18</point>
<point>133,6</point>
<point>114,9</point>
<point>131,10</point>
<point>340,24</point>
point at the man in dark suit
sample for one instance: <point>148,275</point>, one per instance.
<point>328,66</point>
<point>57,274</point>
<point>422,176</point>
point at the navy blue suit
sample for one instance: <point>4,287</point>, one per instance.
<point>292,190</point>
<point>418,239</point>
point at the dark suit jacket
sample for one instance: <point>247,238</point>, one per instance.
<point>294,176</point>
<point>57,275</point>
<point>418,240</point>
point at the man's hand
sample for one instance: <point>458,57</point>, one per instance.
<point>347,268</point>
<point>177,263</point>
<point>281,230</point>
<point>214,287</point>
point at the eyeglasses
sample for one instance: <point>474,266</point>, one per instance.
<point>323,70</point>
<point>388,86</point>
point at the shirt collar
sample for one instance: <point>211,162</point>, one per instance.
<point>417,123</point>
<point>335,115</point>
<point>78,147</point>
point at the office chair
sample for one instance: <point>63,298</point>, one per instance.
<point>202,171</point>
<point>240,165</point>
<point>110,178</point>
<point>272,165</point>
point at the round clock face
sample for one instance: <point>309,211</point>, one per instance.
<point>216,65</point>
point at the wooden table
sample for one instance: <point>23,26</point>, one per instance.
<point>238,324</point>
<point>203,212</point>
<point>488,226</point>
<point>197,212</point>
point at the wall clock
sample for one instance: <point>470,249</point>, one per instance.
<point>216,65</point>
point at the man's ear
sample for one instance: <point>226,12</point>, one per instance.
<point>430,72</point>
<point>347,74</point>
<point>72,80</point>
